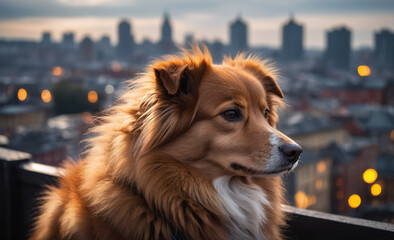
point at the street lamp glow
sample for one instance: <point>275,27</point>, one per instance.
<point>363,70</point>
<point>57,71</point>
<point>354,201</point>
<point>92,96</point>
<point>376,189</point>
<point>46,96</point>
<point>370,175</point>
<point>22,94</point>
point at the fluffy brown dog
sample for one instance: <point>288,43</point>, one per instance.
<point>190,152</point>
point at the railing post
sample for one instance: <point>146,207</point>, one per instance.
<point>9,159</point>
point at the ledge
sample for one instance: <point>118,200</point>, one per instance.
<point>23,181</point>
<point>309,224</point>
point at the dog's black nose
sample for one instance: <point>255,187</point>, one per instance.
<point>291,151</point>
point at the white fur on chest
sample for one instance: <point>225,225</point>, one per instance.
<point>244,205</point>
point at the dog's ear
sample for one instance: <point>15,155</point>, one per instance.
<point>272,86</point>
<point>174,79</point>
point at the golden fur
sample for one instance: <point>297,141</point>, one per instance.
<point>149,169</point>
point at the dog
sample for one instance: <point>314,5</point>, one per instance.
<point>190,151</point>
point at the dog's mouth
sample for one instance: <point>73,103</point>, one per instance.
<point>282,169</point>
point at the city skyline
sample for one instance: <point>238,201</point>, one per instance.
<point>206,20</point>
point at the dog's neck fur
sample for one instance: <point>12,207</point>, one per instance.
<point>243,204</point>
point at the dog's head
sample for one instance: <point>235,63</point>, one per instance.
<point>220,119</point>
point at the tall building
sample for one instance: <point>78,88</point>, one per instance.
<point>338,48</point>
<point>68,39</point>
<point>126,42</point>
<point>238,36</point>
<point>217,51</point>
<point>166,43</point>
<point>104,42</point>
<point>104,49</point>
<point>166,30</point>
<point>46,38</point>
<point>88,51</point>
<point>292,41</point>
<point>384,49</point>
<point>189,40</point>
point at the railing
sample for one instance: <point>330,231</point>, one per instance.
<point>22,182</point>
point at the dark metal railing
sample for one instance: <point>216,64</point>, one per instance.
<point>22,181</point>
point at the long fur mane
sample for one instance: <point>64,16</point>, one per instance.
<point>123,167</point>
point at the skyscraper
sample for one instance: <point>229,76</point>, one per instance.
<point>125,41</point>
<point>238,36</point>
<point>68,39</point>
<point>292,41</point>
<point>104,49</point>
<point>166,30</point>
<point>46,38</point>
<point>384,49</point>
<point>87,48</point>
<point>189,40</point>
<point>338,48</point>
<point>166,44</point>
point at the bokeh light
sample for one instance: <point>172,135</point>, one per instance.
<point>301,199</point>
<point>109,89</point>
<point>318,184</point>
<point>57,71</point>
<point>354,201</point>
<point>321,167</point>
<point>87,118</point>
<point>116,67</point>
<point>22,94</point>
<point>376,189</point>
<point>92,96</point>
<point>339,195</point>
<point>370,175</point>
<point>46,96</point>
<point>363,70</point>
<point>304,201</point>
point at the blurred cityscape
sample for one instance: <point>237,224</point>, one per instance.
<point>340,104</point>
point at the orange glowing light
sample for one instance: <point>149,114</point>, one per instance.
<point>321,167</point>
<point>370,175</point>
<point>92,96</point>
<point>376,189</point>
<point>339,181</point>
<point>301,199</point>
<point>46,96</point>
<point>22,94</point>
<point>392,135</point>
<point>57,71</point>
<point>339,195</point>
<point>363,70</point>
<point>304,201</point>
<point>116,67</point>
<point>311,200</point>
<point>318,184</point>
<point>354,201</point>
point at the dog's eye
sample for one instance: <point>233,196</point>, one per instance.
<point>232,115</point>
<point>266,113</point>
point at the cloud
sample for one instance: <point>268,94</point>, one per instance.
<point>140,8</point>
<point>85,2</point>
<point>78,3</point>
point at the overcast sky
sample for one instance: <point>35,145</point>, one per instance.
<point>206,19</point>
